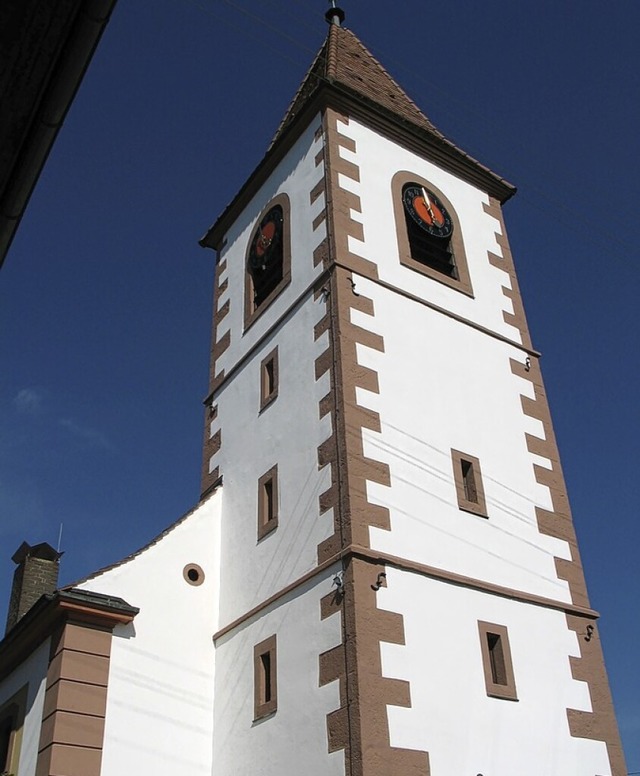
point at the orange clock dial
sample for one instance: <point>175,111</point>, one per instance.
<point>427,210</point>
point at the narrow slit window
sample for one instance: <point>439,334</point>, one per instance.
<point>268,502</point>
<point>496,659</point>
<point>265,678</point>
<point>468,483</point>
<point>269,379</point>
<point>269,509</point>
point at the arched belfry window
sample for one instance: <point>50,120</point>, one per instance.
<point>268,263</point>
<point>429,235</point>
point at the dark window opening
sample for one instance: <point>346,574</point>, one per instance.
<point>434,252</point>
<point>265,678</point>
<point>8,732</point>
<point>496,659</point>
<point>266,256</point>
<point>268,502</point>
<point>269,509</point>
<point>269,379</point>
<point>469,481</point>
<point>265,689</point>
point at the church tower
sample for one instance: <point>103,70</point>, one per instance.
<point>400,588</point>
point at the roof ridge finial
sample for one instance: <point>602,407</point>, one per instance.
<point>334,15</point>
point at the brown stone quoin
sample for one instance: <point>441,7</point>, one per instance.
<point>599,724</point>
<point>359,726</point>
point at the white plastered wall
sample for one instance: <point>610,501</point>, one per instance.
<point>160,695</point>
<point>443,385</point>
<point>294,738</point>
<point>379,159</point>
<point>287,433</point>
<point>452,717</point>
<point>295,176</point>
<point>33,673</point>
<point>289,430</point>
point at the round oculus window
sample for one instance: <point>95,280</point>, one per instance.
<point>193,574</point>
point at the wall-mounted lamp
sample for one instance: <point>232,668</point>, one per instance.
<point>381,581</point>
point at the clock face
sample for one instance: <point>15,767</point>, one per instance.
<point>426,210</point>
<point>265,246</point>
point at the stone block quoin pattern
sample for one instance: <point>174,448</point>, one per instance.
<point>360,726</point>
<point>598,724</point>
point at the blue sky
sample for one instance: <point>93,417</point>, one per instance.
<point>105,296</point>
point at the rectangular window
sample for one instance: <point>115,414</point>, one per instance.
<point>496,661</point>
<point>265,678</point>
<point>268,502</point>
<point>269,379</point>
<point>468,480</point>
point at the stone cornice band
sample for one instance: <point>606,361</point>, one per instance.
<point>383,558</point>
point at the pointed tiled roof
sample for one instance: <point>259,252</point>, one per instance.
<point>346,73</point>
<point>345,64</point>
<point>343,60</point>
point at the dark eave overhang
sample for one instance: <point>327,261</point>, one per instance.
<point>46,48</point>
<point>51,611</point>
<point>425,143</point>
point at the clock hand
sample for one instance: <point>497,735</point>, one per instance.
<point>427,202</point>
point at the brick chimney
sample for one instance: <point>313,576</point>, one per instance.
<point>37,574</point>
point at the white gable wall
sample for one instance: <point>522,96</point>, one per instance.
<point>159,716</point>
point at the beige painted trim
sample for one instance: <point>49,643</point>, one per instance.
<point>269,376</point>
<point>467,475</point>
<point>268,502</point>
<point>359,726</point>
<point>265,678</point>
<point>505,262</point>
<point>463,281</point>
<point>600,724</point>
<point>13,711</point>
<point>72,732</point>
<point>252,314</point>
<point>209,447</point>
<point>496,661</point>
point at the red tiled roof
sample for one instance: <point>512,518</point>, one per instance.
<point>344,62</point>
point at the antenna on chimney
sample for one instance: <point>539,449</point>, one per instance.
<point>334,15</point>
<point>60,536</point>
